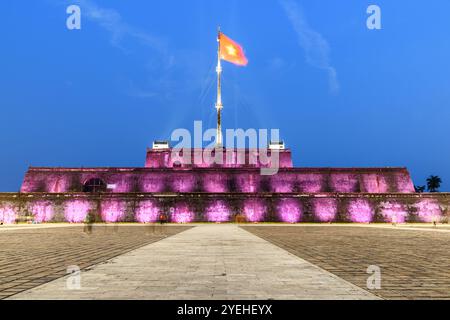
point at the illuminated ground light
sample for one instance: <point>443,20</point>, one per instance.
<point>182,214</point>
<point>7,215</point>
<point>76,211</point>
<point>42,211</point>
<point>289,211</point>
<point>147,212</point>
<point>218,211</point>
<point>254,210</point>
<point>112,211</point>
<point>325,210</point>
<point>393,212</point>
<point>428,210</point>
<point>360,211</point>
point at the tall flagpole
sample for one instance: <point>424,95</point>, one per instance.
<point>219,105</point>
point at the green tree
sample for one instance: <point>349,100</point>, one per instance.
<point>433,183</point>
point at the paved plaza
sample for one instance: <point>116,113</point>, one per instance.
<point>414,261</point>
<point>33,255</point>
<point>224,261</point>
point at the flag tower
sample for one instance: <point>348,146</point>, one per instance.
<point>230,51</point>
<point>219,105</point>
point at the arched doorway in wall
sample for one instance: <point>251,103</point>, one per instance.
<point>94,185</point>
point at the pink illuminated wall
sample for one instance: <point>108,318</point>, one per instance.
<point>7,214</point>
<point>147,211</point>
<point>76,210</point>
<point>343,182</point>
<point>374,183</point>
<point>311,182</point>
<point>325,209</point>
<point>218,211</point>
<point>283,182</point>
<point>248,182</point>
<point>215,182</point>
<point>113,210</point>
<point>393,211</point>
<point>152,183</point>
<point>42,211</point>
<point>183,182</point>
<point>254,210</point>
<point>201,158</point>
<point>218,179</point>
<point>58,184</point>
<point>428,210</point>
<point>360,211</point>
<point>123,183</point>
<point>182,213</point>
<point>404,183</point>
<point>289,210</point>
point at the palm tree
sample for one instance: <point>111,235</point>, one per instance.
<point>433,183</point>
<point>419,189</point>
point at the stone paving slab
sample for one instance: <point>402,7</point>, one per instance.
<point>414,263</point>
<point>33,255</point>
<point>205,262</point>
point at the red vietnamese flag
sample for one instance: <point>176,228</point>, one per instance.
<point>231,51</point>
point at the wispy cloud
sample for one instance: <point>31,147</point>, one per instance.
<point>160,66</point>
<point>316,47</point>
<point>111,21</point>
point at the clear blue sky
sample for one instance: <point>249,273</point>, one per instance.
<point>341,95</point>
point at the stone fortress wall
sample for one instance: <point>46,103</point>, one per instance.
<point>226,207</point>
<point>181,192</point>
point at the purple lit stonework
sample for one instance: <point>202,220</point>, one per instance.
<point>218,211</point>
<point>254,210</point>
<point>360,211</point>
<point>147,211</point>
<point>186,189</point>
<point>289,210</point>
<point>428,210</point>
<point>42,211</point>
<point>112,210</point>
<point>325,209</point>
<point>181,213</point>
<point>7,214</point>
<point>76,210</point>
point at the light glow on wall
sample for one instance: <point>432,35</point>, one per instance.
<point>42,211</point>
<point>182,213</point>
<point>325,210</point>
<point>310,183</point>
<point>147,212</point>
<point>289,210</point>
<point>152,183</point>
<point>248,182</point>
<point>75,211</point>
<point>342,182</point>
<point>216,183</point>
<point>360,211</point>
<point>7,214</point>
<point>254,210</point>
<point>393,212</point>
<point>112,210</point>
<point>428,210</point>
<point>374,183</point>
<point>218,211</point>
